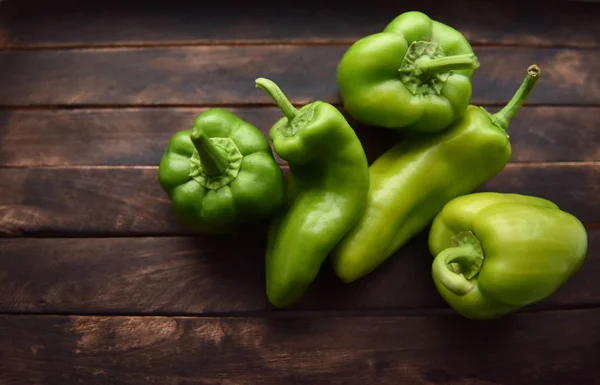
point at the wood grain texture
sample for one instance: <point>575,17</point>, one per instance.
<point>34,138</point>
<point>213,75</point>
<point>129,201</point>
<point>221,275</point>
<point>27,23</point>
<point>551,348</point>
<point>70,201</point>
<point>104,136</point>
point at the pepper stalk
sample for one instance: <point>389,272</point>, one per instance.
<point>503,117</point>
<point>456,266</point>
<point>214,160</point>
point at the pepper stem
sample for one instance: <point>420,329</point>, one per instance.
<point>447,63</point>
<point>214,160</point>
<point>455,266</point>
<point>278,96</point>
<point>503,117</point>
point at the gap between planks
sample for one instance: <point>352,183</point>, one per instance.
<point>208,43</point>
<point>138,107</point>
<point>111,235</point>
<point>277,313</point>
<point>286,166</point>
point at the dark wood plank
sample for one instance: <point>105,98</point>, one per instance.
<point>27,23</point>
<point>102,136</point>
<point>226,74</point>
<point>33,138</point>
<point>124,201</point>
<point>220,275</point>
<point>134,275</point>
<point>128,201</point>
<point>546,348</point>
<point>550,134</point>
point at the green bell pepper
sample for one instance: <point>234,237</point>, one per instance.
<point>412,181</point>
<point>328,184</point>
<point>413,76</point>
<point>495,253</point>
<point>221,173</point>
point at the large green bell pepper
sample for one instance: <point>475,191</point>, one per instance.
<point>414,76</point>
<point>411,182</point>
<point>495,253</point>
<point>221,173</point>
<point>327,190</point>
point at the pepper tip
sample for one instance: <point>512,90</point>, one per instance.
<point>258,82</point>
<point>534,71</point>
<point>196,134</point>
<point>476,63</point>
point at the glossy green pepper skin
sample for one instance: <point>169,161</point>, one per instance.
<point>327,191</point>
<point>415,76</point>
<point>221,173</point>
<point>411,182</point>
<point>495,253</point>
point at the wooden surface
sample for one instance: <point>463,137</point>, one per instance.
<point>99,284</point>
<point>225,74</point>
<point>275,350</point>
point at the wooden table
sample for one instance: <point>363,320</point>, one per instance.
<point>99,283</point>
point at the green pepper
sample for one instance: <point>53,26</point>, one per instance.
<point>328,184</point>
<point>413,76</point>
<point>495,253</point>
<point>413,180</point>
<point>221,173</point>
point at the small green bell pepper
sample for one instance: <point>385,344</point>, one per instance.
<point>328,184</point>
<point>495,253</point>
<point>221,173</point>
<point>413,76</point>
<point>412,181</point>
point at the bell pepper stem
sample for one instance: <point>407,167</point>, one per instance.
<point>463,255</point>
<point>447,63</point>
<point>503,117</point>
<point>214,160</point>
<point>278,96</point>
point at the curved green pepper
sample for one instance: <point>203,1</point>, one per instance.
<point>413,76</point>
<point>327,190</point>
<point>221,173</point>
<point>495,253</point>
<point>411,182</point>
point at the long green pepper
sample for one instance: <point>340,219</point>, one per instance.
<point>327,189</point>
<point>412,182</point>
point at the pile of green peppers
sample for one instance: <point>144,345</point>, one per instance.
<point>492,253</point>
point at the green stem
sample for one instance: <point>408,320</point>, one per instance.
<point>214,160</point>
<point>465,255</point>
<point>278,96</point>
<point>447,63</point>
<point>503,117</point>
